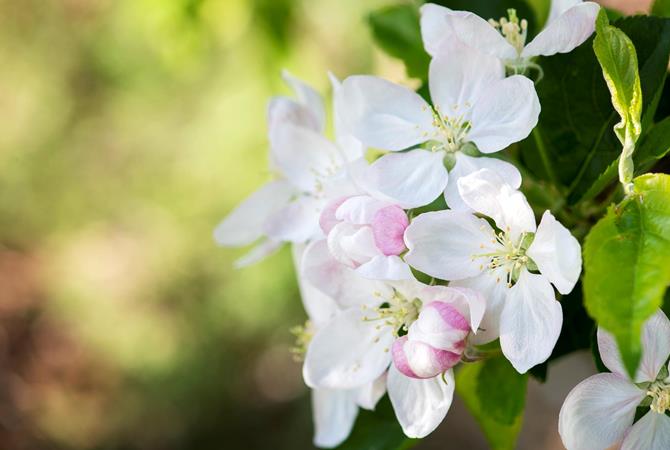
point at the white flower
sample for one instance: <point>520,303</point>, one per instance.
<point>354,348</point>
<point>474,103</point>
<point>599,412</point>
<point>465,249</point>
<point>310,168</point>
<point>334,411</point>
<point>570,23</point>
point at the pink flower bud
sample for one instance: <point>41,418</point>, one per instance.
<point>388,228</point>
<point>417,359</point>
<point>442,326</point>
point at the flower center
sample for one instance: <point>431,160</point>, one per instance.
<point>451,128</point>
<point>303,335</point>
<point>512,29</point>
<point>508,255</point>
<point>660,397</point>
<point>398,312</point>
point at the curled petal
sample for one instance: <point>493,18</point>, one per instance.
<point>388,228</point>
<point>441,326</point>
<point>420,405</point>
<point>598,411</point>
<point>416,359</point>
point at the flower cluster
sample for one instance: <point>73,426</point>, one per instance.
<point>489,270</point>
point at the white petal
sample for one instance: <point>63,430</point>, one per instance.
<point>336,280</point>
<point>493,285</point>
<point>465,165</point>
<point>458,76</point>
<point>303,156</point>
<point>506,112</point>
<point>352,245</point>
<point>334,413</point>
<point>651,432</point>
<point>319,307</point>
<point>409,179</point>
<point>598,411</point>
<point>385,115</point>
<point>443,243</point>
<point>564,33</point>
<point>245,223</point>
<point>440,26</point>
<point>348,352</point>
<point>558,7</point>
<point>557,253</point>
<point>351,147</point>
<point>368,395</point>
<point>655,349</point>
<point>530,322</point>
<point>420,405</point>
<point>487,193</point>
<point>308,97</point>
<point>359,209</point>
<point>385,268</point>
<point>259,252</point>
<point>296,222</point>
<point>283,110</point>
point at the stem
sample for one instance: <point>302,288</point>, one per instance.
<point>544,156</point>
<point>626,166</point>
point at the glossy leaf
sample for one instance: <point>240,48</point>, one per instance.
<point>627,263</point>
<point>495,394</point>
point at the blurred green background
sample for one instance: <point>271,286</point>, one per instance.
<point>128,129</point>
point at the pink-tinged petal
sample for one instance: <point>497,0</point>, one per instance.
<point>349,352</point>
<point>487,193</point>
<point>441,326</point>
<point>308,97</point>
<point>352,245</point>
<point>245,223</point>
<point>417,359</point>
<point>359,209</point>
<point>458,76</point>
<point>493,287</point>
<point>328,220</point>
<point>655,349</point>
<point>530,322</point>
<point>506,112</point>
<point>651,432</point>
<point>338,281</point>
<point>443,243</point>
<point>565,32</point>
<point>409,179</point>
<point>556,253</point>
<point>420,405</point>
<point>465,165</point>
<point>296,222</point>
<point>388,229</point>
<point>385,115</point>
<point>368,395</point>
<point>388,268</point>
<point>334,413</point>
<point>598,411</point>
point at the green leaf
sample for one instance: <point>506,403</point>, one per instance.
<point>654,146</point>
<point>627,263</point>
<point>396,30</point>
<point>577,117</point>
<point>661,8</point>
<point>495,394</point>
<point>378,430</point>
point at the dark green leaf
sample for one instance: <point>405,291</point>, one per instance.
<point>654,146</point>
<point>378,430</point>
<point>575,127</point>
<point>396,30</point>
<point>627,263</point>
<point>661,8</point>
<point>495,394</point>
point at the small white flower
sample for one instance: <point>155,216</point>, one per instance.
<point>474,103</point>
<point>355,347</point>
<point>466,250</point>
<point>334,411</point>
<point>599,412</point>
<point>310,169</point>
<point>570,23</point>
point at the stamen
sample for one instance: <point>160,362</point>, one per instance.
<point>660,397</point>
<point>303,335</point>
<point>398,313</point>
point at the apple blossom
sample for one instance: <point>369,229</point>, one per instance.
<point>570,23</point>
<point>334,411</point>
<point>310,168</point>
<point>600,411</point>
<point>513,266</point>
<point>473,104</point>
<point>354,348</point>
